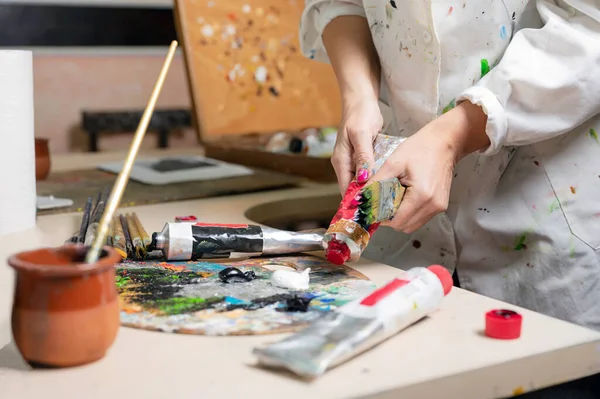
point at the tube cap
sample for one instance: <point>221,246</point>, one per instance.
<point>444,275</point>
<point>503,324</point>
<point>337,252</point>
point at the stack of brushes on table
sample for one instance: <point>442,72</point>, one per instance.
<point>126,233</point>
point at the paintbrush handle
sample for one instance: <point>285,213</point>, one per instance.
<point>145,237</point>
<point>119,243</point>
<point>121,182</point>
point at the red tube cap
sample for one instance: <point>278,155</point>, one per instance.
<point>444,275</point>
<point>503,324</point>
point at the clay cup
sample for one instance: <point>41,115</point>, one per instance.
<point>65,312</point>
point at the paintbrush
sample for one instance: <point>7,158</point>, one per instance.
<point>79,236</point>
<point>136,239</point>
<point>121,182</point>
<point>111,233</point>
<point>378,201</point>
<point>128,243</point>
<point>92,230</point>
<point>118,237</point>
<point>145,237</point>
<point>95,208</point>
<point>85,220</point>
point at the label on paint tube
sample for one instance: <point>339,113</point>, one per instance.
<point>226,240</point>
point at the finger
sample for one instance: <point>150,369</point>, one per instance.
<point>427,208</point>
<point>391,168</point>
<point>362,143</point>
<point>342,163</point>
<point>408,207</point>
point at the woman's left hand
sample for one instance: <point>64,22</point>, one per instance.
<point>424,163</point>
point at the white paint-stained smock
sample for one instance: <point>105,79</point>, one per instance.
<point>523,223</point>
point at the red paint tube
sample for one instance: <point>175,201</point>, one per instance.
<point>348,234</point>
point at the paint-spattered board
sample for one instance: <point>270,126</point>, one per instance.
<point>246,71</point>
<point>189,297</point>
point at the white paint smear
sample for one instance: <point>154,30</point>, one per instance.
<point>208,31</point>
<point>260,75</point>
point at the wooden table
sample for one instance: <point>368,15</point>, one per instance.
<point>444,356</point>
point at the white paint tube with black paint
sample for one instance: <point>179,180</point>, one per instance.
<point>191,241</point>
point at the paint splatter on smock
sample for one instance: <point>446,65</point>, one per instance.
<point>485,67</point>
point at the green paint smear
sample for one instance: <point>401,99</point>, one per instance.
<point>180,305</point>
<point>594,135</point>
<point>485,67</point>
<point>449,106</point>
<point>122,281</point>
<point>554,206</point>
<point>520,242</point>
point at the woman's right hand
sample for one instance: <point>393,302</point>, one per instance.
<point>353,151</point>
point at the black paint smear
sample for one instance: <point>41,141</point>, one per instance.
<point>263,302</point>
<point>233,275</point>
<point>393,4</point>
<point>417,244</point>
<point>296,304</point>
<point>273,91</point>
<point>153,284</point>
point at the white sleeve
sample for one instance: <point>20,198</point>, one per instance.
<point>317,14</point>
<point>548,81</point>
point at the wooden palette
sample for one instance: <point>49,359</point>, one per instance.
<point>245,68</point>
<point>189,297</point>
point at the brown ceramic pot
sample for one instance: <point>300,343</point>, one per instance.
<point>65,312</point>
<point>42,159</point>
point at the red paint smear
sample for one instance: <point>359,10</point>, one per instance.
<point>232,17</point>
<point>349,206</point>
<point>230,225</point>
<point>450,10</point>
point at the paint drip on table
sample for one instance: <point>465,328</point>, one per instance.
<point>363,208</point>
<point>233,298</point>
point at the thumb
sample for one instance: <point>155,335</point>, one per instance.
<point>363,156</point>
<point>389,169</point>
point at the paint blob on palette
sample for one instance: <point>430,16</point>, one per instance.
<point>190,298</point>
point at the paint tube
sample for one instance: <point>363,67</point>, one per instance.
<point>359,325</point>
<point>189,241</point>
<point>348,235</point>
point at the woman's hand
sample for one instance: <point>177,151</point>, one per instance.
<point>353,152</point>
<point>424,163</point>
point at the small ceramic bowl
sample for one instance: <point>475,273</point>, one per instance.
<point>65,312</point>
<point>42,159</point>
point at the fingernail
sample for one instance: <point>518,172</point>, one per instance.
<point>363,175</point>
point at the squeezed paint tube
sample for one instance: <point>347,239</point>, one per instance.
<point>190,241</point>
<point>359,325</point>
<point>348,235</point>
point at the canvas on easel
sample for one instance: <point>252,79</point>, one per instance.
<point>248,79</point>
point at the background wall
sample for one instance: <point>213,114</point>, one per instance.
<point>89,55</point>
